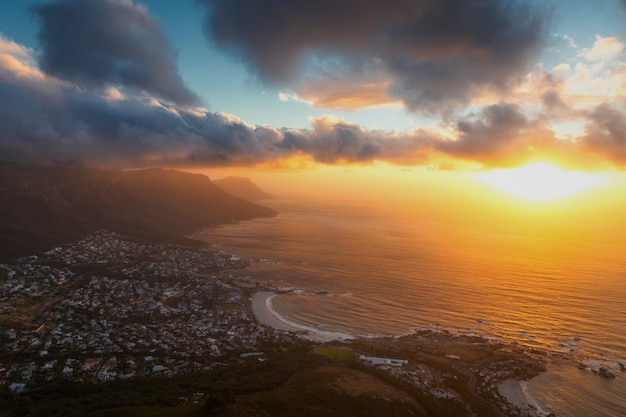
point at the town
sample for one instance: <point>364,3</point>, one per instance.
<point>109,307</point>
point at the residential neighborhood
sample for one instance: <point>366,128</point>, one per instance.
<point>120,309</point>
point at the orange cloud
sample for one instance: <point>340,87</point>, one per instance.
<point>346,96</point>
<point>17,60</point>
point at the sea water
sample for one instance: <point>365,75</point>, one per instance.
<point>354,271</point>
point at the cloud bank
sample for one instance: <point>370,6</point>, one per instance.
<point>108,90</point>
<point>45,118</point>
<point>432,54</point>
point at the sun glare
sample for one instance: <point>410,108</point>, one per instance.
<point>540,181</point>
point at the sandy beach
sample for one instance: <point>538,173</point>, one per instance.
<point>516,392</point>
<point>265,314</point>
<point>261,307</point>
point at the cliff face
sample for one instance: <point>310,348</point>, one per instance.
<point>41,206</point>
<point>243,188</point>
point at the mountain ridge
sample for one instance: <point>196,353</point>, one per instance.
<point>42,206</point>
<point>243,187</point>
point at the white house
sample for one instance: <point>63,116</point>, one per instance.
<point>383,361</point>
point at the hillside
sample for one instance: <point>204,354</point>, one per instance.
<point>242,187</point>
<point>41,206</point>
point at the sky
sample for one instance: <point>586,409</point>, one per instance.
<point>436,84</point>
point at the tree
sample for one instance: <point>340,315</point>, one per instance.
<point>222,399</point>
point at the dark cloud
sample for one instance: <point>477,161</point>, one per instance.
<point>435,53</point>
<point>551,99</point>
<point>502,135</point>
<point>103,42</point>
<point>606,132</point>
<point>331,141</point>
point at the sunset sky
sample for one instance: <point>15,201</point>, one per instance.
<point>437,85</point>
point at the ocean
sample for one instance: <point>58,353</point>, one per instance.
<point>352,270</point>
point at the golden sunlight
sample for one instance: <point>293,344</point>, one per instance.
<point>540,181</point>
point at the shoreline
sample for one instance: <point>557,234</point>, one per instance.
<point>515,391</point>
<point>265,314</point>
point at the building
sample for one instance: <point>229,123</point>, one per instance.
<point>383,361</point>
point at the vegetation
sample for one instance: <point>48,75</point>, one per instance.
<point>334,353</point>
<point>231,307</point>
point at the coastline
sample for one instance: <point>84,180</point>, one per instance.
<point>265,314</point>
<point>555,347</point>
<point>516,393</point>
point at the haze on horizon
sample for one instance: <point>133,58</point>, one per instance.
<point>409,93</point>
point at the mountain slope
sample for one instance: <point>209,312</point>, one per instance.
<point>242,187</point>
<point>41,206</point>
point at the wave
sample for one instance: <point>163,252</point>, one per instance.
<point>314,333</point>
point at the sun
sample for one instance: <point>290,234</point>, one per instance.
<point>540,181</point>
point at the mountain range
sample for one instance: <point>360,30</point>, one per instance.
<point>42,206</point>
